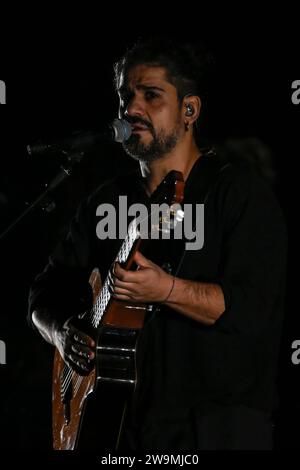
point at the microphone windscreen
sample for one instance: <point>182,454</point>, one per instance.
<point>122,130</point>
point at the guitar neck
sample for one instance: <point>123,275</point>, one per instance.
<point>124,257</point>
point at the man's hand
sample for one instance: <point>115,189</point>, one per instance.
<point>75,347</point>
<point>149,283</point>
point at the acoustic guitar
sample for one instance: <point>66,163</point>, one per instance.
<point>115,327</point>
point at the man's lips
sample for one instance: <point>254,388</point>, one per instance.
<point>136,128</point>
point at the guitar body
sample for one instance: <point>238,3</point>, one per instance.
<point>115,327</point>
<point>67,414</point>
<point>115,364</point>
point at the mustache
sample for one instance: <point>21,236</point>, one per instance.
<point>138,120</point>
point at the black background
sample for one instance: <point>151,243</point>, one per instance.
<point>59,80</point>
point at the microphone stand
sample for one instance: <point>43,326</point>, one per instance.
<point>43,199</point>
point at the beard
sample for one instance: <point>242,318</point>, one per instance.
<point>160,145</point>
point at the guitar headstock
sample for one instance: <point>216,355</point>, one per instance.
<point>165,208</point>
<point>170,190</point>
<point>158,219</point>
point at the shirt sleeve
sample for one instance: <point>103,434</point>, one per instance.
<point>253,265</point>
<point>63,286</point>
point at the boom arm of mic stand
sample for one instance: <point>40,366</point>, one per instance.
<point>64,173</point>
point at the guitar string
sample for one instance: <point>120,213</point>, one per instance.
<point>77,384</point>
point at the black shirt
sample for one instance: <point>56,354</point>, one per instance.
<point>183,362</point>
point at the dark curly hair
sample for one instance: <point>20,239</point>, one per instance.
<point>188,65</point>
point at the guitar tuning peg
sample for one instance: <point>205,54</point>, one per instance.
<point>179,215</point>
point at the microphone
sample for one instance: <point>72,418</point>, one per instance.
<point>119,131</point>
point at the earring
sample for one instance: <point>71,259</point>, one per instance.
<point>186,126</point>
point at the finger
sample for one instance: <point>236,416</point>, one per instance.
<point>77,335</point>
<point>114,282</point>
<point>83,351</point>
<point>84,339</point>
<point>77,363</point>
<point>125,285</point>
<point>141,260</point>
<point>122,291</point>
<point>123,297</point>
<point>123,275</point>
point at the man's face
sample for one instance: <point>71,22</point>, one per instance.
<point>150,103</point>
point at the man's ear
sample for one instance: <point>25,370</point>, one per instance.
<point>191,108</point>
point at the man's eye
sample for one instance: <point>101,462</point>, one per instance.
<point>150,95</point>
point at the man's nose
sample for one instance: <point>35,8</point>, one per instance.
<point>135,107</point>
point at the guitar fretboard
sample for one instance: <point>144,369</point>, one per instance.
<point>104,297</point>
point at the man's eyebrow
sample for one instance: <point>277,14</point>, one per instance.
<point>124,89</point>
<point>149,87</point>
